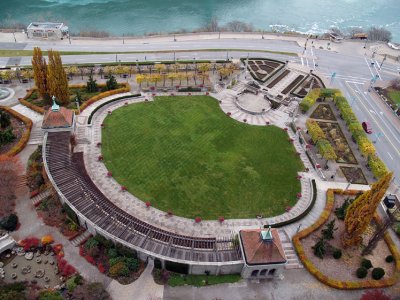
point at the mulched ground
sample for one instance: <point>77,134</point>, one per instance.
<point>18,129</point>
<point>344,269</point>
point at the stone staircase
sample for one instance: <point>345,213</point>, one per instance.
<point>37,134</point>
<point>80,238</point>
<point>39,197</point>
<point>291,256</point>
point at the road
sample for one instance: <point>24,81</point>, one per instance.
<point>352,68</point>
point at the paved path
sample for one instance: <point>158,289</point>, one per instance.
<point>31,225</point>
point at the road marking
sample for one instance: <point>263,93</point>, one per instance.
<point>302,61</point>
<point>390,155</point>
<point>377,123</point>
<point>366,61</point>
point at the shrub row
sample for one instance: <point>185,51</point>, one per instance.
<point>109,101</point>
<point>326,150</point>
<point>92,100</point>
<point>366,147</point>
<point>346,285</point>
<point>25,136</point>
<point>309,100</point>
<point>315,131</point>
<point>34,107</point>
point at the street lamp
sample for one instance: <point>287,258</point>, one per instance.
<point>77,105</point>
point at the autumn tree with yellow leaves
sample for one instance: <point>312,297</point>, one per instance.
<point>57,78</point>
<point>39,67</point>
<point>360,212</point>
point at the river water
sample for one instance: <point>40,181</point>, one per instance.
<point>138,17</point>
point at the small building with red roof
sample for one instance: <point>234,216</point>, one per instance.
<point>59,119</point>
<point>263,253</point>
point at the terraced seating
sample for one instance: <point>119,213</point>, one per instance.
<point>69,175</point>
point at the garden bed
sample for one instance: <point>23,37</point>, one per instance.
<point>339,142</point>
<point>15,130</point>
<point>354,175</point>
<point>263,69</point>
<point>114,260</point>
<point>34,98</point>
<point>341,272</point>
<point>323,112</point>
<point>293,84</point>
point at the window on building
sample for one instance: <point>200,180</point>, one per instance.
<point>272,272</point>
<point>263,272</point>
<point>254,273</point>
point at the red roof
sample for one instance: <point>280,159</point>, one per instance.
<point>259,252</point>
<point>63,118</point>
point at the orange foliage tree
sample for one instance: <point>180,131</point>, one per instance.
<point>10,180</point>
<point>360,212</point>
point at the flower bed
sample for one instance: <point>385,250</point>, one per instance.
<point>22,132</point>
<point>35,102</point>
<point>115,261</point>
<point>353,175</point>
<point>330,271</point>
<point>323,112</point>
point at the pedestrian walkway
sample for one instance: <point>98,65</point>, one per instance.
<point>142,289</point>
<point>27,112</point>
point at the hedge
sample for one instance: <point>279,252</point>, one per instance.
<point>366,147</point>
<point>309,100</point>
<point>315,130</point>
<point>109,101</point>
<point>92,100</point>
<point>377,166</point>
<point>326,150</point>
<point>25,136</point>
<point>34,107</point>
<point>346,285</point>
<point>303,214</point>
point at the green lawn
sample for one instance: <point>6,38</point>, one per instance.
<point>200,280</point>
<point>185,155</point>
<point>395,96</point>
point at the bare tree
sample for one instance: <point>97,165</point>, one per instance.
<point>379,34</point>
<point>213,26</point>
<point>354,30</point>
<point>238,26</point>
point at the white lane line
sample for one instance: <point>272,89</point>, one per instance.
<point>302,61</point>
<point>374,118</point>
<point>390,155</point>
<point>377,70</point>
<point>312,55</point>
<point>366,61</point>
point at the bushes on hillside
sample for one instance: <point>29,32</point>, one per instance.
<point>9,222</point>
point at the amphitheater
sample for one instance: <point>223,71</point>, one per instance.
<point>80,178</point>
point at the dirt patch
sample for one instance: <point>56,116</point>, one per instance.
<point>354,175</point>
<point>323,112</point>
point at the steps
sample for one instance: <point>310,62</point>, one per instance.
<point>80,238</point>
<point>291,256</point>
<point>36,137</point>
<point>38,198</point>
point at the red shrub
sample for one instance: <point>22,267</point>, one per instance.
<point>30,242</point>
<point>68,270</point>
<point>57,248</point>
<point>81,251</point>
<point>34,193</point>
<point>101,268</point>
<point>221,219</point>
<point>197,219</point>
<point>375,295</point>
<point>90,259</point>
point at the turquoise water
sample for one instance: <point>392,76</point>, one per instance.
<point>138,17</point>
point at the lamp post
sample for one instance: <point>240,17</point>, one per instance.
<point>77,105</point>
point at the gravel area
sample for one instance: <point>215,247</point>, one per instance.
<point>344,269</point>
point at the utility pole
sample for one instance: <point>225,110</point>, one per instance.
<point>123,39</point>
<point>15,40</point>
<point>383,61</point>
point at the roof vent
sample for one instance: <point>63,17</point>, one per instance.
<point>266,235</point>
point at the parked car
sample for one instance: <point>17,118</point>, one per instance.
<point>367,127</point>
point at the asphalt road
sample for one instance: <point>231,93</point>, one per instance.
<point>352,71</point>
